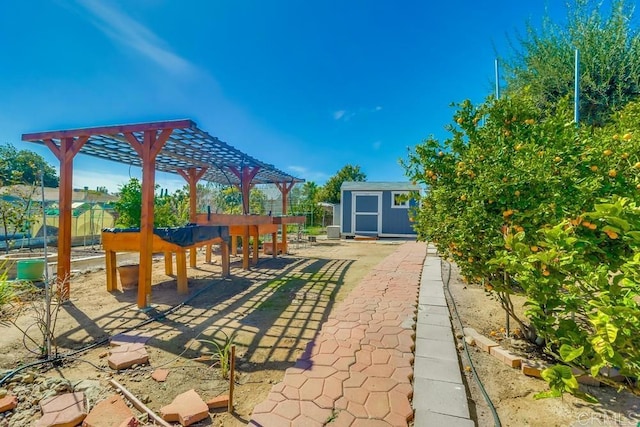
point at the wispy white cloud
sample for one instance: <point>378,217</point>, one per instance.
<point>376,145</point>
<point>130,33</point>
<point>339,114</point>
<point>298,169</point>
<point>307,174</point>
<point>346,115</point>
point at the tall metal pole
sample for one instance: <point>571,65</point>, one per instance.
<point>497,79</point>
<point>576,89</point>
<point>47,290</point>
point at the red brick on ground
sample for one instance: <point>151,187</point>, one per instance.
<point>218,402</point>
<point>63,410</point>
<point>187,408</point>
<point>127,355</point>
<point>160,374</point>
<point>110,412</point>
<point>8,403</point>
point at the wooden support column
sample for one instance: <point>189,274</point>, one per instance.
<point>224,255</point>
<point>192,176</point>
<point>245,175</point>
<point>256,243</point>
<point>285,188</point>
<point>69,147</point>
<point>147,149</point>
<point>274,243</point>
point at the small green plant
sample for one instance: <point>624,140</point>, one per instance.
<point>221,352</point>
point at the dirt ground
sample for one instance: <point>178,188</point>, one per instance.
<point>271,312</point>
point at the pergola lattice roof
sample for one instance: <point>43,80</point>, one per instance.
<point>187,147</point>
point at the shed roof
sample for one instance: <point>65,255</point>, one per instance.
<point>379,186</point>
<point>187,147</point>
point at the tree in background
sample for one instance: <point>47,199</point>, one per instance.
<point>228,200</point>
<point>23,167</point>
<point>331,191</point>
<point>309,195</point>
<point>609,61</point>
<point>169,210</point>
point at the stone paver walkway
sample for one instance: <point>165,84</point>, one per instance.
<point>358,370</point>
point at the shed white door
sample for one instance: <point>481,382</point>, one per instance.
<point>367,213</point>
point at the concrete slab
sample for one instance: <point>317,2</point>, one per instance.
<point>433,309</point>
<point>441,301</point>
<point>434,332</point>
<point>436,349</point>
<point>437,369</point>
<point>426,418</point>
<point>433,319</point>
<point>440,396</point>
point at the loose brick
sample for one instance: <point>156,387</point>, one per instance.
<point>484,343</point>
<point>505,356</point>
<point>109,412</point>
<point>63,410</point>
<point>8,403</point>
<point>218,402</point>
<point>532,368</point>
<point>160,374</point>
<point>187,408</point>
<point>127,355</point>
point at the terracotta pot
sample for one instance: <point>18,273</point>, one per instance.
<point>129,276</point>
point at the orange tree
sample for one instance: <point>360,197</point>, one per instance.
<point>508,168</point>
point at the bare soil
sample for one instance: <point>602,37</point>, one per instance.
<point>271,312</point>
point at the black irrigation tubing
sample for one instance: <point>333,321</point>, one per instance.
<point>496,418</point>
<point>61,357</point>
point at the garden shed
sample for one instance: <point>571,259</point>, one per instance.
<point>377,208</point>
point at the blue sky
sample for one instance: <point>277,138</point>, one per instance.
<point>308,86</point>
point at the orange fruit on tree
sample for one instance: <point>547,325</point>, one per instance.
<point>625,155</point>
<point>545,273</point>
<point>616,137</point>
<point>613,173</point>
<point>612,234</point>
<point>534,248</point>
<point>607,152</point>
<point>517,193</point>
<point>627,137</point>
<point>594,168</point>
<point>557,159</point>
<point>637,165</point>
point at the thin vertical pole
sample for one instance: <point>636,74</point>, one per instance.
<point>232,375</point>
<point>497,79</point>
<point>47,285</point>
<point>576,89</point>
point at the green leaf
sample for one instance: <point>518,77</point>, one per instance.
<point>568,353</point>
<point>547,394</point>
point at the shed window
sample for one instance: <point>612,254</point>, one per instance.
<point>400,199</point>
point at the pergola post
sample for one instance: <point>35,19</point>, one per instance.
<point>69,147</point>
<point>192,176</point>
<point>245,175</point>
<point>285,188</point>
<point>147,149</point>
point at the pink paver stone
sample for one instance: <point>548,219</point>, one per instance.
<point>127,355</point>
<point>160,374</point>
<point>187,408</point>
<point>8,403</point>
<point>112,411</point>
<point>133,337</point>
<point>63,410</point>
<point>358,370</point>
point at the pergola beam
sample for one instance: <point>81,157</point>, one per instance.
<point>285,188</point>
<point>69,147</point>
<point>192,176</point>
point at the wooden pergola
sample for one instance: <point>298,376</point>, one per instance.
<point>176,146</point>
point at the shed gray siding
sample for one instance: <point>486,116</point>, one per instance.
<point>394,221</point>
